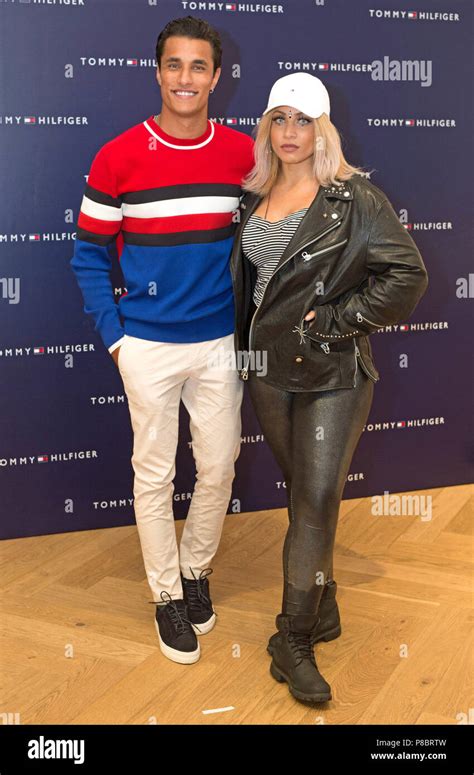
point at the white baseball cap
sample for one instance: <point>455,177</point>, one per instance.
<point>302,91</point>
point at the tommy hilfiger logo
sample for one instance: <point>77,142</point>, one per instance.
<point>414,16</point>
<point>43,120</point>
<point>236,120</point>
<point>57,236</point>
<point>55,349</point>
<point>54,457</point>
<point>428,225</point>
<point>271,8</point>
<point>402,122</point>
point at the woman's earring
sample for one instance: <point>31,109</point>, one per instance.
<point>211,91</point>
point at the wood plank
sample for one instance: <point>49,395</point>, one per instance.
<point>400,581</point>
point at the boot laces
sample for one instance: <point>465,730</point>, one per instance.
<point>195,591</point>
<point>177,616</point>
<point>301,645</point>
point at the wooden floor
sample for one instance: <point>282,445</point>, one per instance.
<point>79,645</point>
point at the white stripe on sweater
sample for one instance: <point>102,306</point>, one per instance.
<point>192,205</point>
<point>99,211</point>
<point>189,205</point>
<point>182,147</point>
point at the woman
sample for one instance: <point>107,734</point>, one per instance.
<point>320,261</point>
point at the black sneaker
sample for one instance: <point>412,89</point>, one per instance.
<point>175,632</point>
<point>198,600</point>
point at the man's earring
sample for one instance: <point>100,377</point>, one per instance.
<point>211,91</point>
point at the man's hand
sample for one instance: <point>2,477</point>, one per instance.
<point>310,316</point>
<point>115,355</point>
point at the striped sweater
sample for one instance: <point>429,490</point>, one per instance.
<point>169,205</point>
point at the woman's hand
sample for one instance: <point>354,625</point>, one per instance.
<point>311,315</point>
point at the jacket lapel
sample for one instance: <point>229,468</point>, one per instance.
<point>249,203</point>
<point>319,218</point>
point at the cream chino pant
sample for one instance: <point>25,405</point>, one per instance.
<point>156,377</point>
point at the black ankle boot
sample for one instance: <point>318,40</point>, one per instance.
<point>293,658</point>
<point>329,626</point>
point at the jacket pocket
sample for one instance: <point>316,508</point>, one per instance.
<point>309,256</point>
<point>365,358</point>
<point>303,367</point>
<point>304,329</point>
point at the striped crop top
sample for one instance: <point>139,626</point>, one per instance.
<point>263,243</point>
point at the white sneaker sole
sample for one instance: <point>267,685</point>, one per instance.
<point>182,657</point>
<point>205,626</point>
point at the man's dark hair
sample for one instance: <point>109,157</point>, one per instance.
<point>190,27</point>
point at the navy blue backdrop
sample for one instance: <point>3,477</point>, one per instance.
<point>75,74</point>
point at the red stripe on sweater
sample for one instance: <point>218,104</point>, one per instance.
<point>177,223</point>
<point>97,226</point>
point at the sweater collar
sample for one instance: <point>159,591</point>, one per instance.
<point>185,144</point>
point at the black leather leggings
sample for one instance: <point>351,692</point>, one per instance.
<point>313,437</point>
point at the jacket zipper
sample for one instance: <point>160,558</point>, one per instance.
<point>362,365</point>
<point>245,372</point>
<point>307,256</point>
<point>360,318</point>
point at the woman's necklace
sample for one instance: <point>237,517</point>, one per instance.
<point>268,203</point>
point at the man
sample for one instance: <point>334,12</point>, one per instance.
<point>167,188</point>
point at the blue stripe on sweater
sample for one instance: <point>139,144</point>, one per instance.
<point>181,293</point>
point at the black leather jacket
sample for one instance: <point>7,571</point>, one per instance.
<point>350,260</point>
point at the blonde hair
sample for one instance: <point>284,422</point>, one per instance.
<point>329,167</point>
